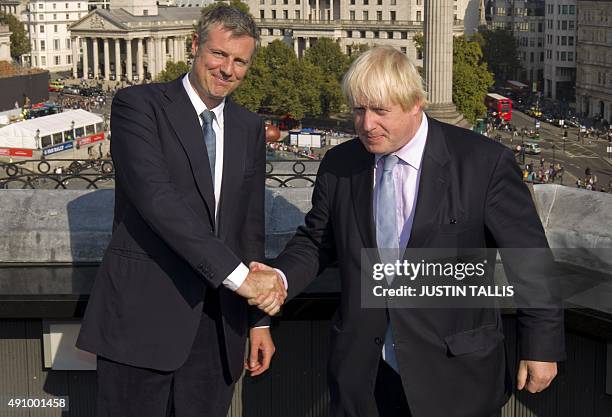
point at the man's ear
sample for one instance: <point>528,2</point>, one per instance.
<point>195,43</point>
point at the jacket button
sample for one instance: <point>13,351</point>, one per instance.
<point>378,341</point>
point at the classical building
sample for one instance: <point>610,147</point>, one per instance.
<point>525,19</point>
<point>47,23</point>
<point>5,43</point>
<point>560,56</point>
<point>132,40</point>
<point>594,59</point>
<point>15,7</point>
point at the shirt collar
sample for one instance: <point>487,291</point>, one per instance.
<point>412,152</point>
<point>198,104</point>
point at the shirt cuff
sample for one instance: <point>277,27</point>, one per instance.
<point>237,277</point>
<point>282,275</point>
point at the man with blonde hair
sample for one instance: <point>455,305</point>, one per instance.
<point>412,182</point>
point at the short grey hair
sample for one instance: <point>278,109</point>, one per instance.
<point>232,19</point>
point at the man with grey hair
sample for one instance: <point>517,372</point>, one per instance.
<point>168,315</point>
<point>410,182</point>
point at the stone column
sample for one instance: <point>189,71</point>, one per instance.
<point>163,50</point>
<point>317,10</point>
<point>307,44</point>
<point>139,59</point>
<point>296,47</point>
<point>75,56</point>
<point>85,59</point>
<point>331,9</point>
<point>151,56</point>
<point>158,56</point>
<point>96,62</point>
<point>128,59</point>
<point>106,60</point>
<point>171,43</point>
<point>117,59</point>
<point>438,61</point>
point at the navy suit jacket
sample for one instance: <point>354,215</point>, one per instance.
<point>166,249</point>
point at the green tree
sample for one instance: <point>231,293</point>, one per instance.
<point>256,86</point>
<point>471,78</point>
<point>20,43</point>
<point>333,63</point>
<point>172,71</point>
<point>499,49</point>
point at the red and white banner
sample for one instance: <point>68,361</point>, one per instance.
<point>17,152</point>
<point>91,139</point>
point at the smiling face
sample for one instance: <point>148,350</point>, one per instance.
<point>384,129</point>
<point>220,63</point>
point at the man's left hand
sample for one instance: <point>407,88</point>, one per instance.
<point>535,376</point>
<point>260,352</point>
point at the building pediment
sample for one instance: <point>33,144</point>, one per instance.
<point>97,22</point>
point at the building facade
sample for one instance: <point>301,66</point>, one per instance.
<point>353,22</point>
<point>5,43</point>
<point>47,23</point>
<point>132,41</point>
<point>560,54</point>
<point>14,7</point>
<point>594,59</point>
<point>525,19</point>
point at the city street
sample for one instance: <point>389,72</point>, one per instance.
<point>573,154</point>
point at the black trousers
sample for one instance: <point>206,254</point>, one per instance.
<point>389,393</point>
<point>200,388</point>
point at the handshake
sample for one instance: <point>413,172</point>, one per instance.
<point>264,288</point>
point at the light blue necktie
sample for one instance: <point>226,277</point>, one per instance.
<point>209,139</point>
<point>387,237</point>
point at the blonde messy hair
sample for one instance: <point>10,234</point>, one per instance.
<point>381,76</point>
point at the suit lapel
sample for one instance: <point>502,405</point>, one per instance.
<point>362,180</point>
<point>234,156</point>
<point>432,185</point>
<point>183,120</point>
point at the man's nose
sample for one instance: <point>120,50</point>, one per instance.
<point>368,121</point>
<point>227,68</point>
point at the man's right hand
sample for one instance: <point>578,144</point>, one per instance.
<point>265,289</point>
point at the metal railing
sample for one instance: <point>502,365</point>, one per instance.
<point>100,173</point>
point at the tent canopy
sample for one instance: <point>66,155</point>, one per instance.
<point>23,134</point>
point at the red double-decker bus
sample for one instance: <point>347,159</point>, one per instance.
<point>501,106</point>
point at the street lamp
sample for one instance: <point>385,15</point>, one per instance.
<point>72,128</point>
<point>37,139</point>
<point>553,149</point>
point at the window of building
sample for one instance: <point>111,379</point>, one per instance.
<point>56,44</point>
<point>531,57</point>
<point>41,17</point>
<point>54,6</point>
<point>419,54</point>
<point>68,59</point>
<point>54,16</point>
<point>404,35</point>
<point>353,2</point>
<point>379,2</point>
<point>418,16</point>
<point>285,14</point>
<point>393,2</point>
<point>352,15</point>
<point>42,29</point>
<point>43,61</point>
<point>273,14</point>
<point>54,28</point>
<point>376,34</point>
<point>261,14</point>
<point>67,16</point>
<point>362,34</point>
<point>78,5</point>
<point>572,9</point>
<point>541,56</point>
<point>379,15</point>
<point>66,5</point>
<point>297,2</point>
<point>563,56</point>
<point>571,25</point>
<point>389,35</point>
<point>366,2</point>
<point>570,56</point>
<point>564,9</point>
<point>42,45</point>
<point>68,44</point>
<point>570,40</point>
<point>392,16</point>
<point>403,50</point>
<point>366,15</point>
<point>273,2</point>
<point>349,33</point>
<point>419,2</point>
<point>297,15</point>
<point>145,12</point>
<point>540,42</point>
<point>285,2</point>
<point>540,27</point>
<point>40,6</point>
<point>57,59</point>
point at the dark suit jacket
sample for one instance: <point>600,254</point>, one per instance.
<point>166,252</point>
<point>452,362</point>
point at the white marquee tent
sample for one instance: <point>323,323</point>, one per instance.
<point>51,130</point>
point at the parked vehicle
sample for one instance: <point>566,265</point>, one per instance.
<point>72,89</point>
<point>56,86</point>
<point>532,148</point>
